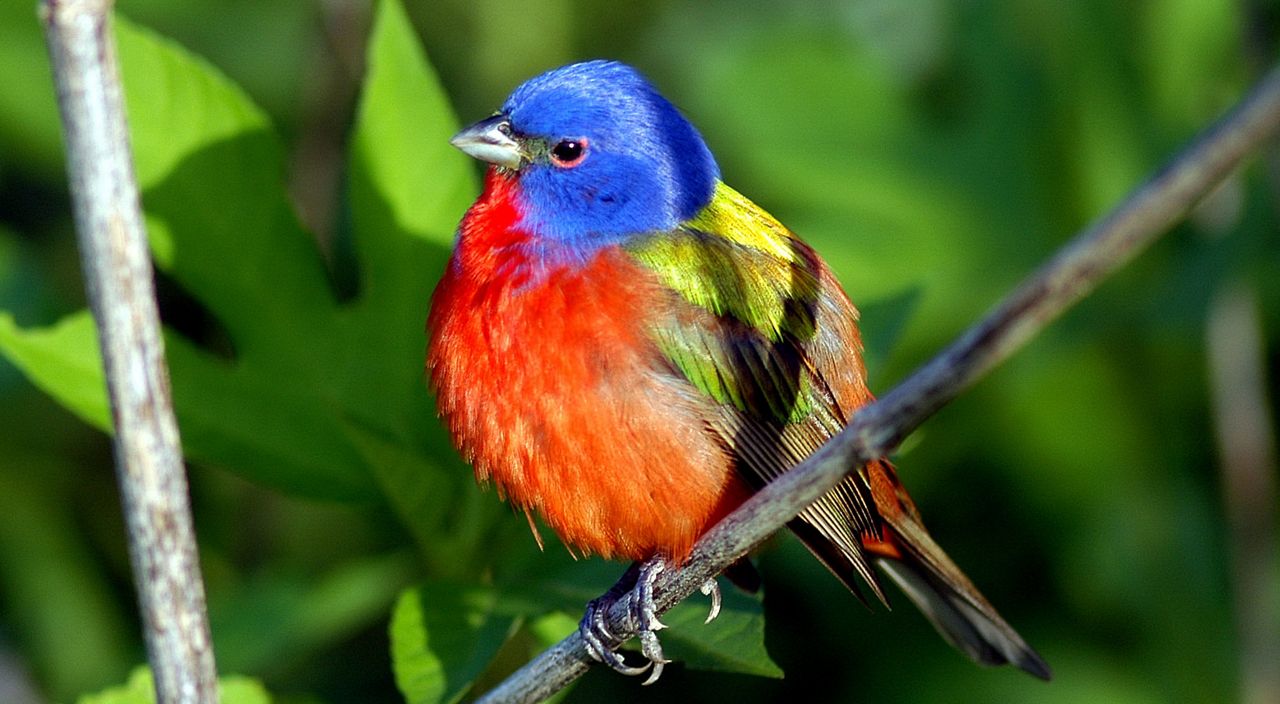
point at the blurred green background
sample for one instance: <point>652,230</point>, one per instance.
<point>934,152</point>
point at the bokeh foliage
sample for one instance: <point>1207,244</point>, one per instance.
<point>932,151</point>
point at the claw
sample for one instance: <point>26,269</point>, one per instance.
<point>642,599</point>
<point>652,649</point>
<point>712,589</point>
<point>637,585</point>
<point>597,638</point>
<point>595,633</point>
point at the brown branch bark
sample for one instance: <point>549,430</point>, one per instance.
<point>119,282</point>
<point>878,428</point>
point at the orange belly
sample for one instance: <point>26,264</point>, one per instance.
<point>554,392</point>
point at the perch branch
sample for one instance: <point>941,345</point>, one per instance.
<point>879,427</point>
<point>118,280</point>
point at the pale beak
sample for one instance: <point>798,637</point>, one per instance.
<point>490,140</point>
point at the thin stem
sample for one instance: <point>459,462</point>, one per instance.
<point>877,429</point>
<point>119,282</point>
<point>1247,449</point>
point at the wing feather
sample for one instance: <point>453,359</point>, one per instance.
<point>757,324</point>
<point>759,328</point>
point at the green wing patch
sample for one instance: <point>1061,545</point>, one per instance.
<point>739,368</point>
<point>741,325</point>
<point>735,260</point>
<point>753,288</point>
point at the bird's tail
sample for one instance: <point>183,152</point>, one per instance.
<point>908,554</point>
<point>956,608</point>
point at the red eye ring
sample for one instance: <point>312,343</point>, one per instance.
<point>568,153</point>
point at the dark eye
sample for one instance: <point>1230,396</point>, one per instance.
<point>568,153</point>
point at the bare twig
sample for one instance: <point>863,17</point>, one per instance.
<point>1248,458</point>
<point>118,278</point>
<point>878,428</point>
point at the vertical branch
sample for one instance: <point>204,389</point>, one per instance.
<point>1247,449</point>
<point>118,279</point>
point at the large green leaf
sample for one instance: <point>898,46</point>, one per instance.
<point>29,137</point>
<point>403,164</point>
<point>305,368</point>
<point>457,525</point>
<point>408,188</point>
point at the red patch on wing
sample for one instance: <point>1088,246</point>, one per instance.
<point>551,388</point>
<point>891,502</point>
<point>885,546</point>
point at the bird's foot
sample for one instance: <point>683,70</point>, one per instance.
<point>642,613</point>
<point>595,633</point>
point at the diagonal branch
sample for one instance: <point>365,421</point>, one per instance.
<point>118,279</point>
<point>878,428</point>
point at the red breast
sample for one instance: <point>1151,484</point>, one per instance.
<point>551,388</point>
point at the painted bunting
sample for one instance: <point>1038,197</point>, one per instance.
<point>628,347</point>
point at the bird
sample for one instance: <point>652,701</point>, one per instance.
<point>628,348</point>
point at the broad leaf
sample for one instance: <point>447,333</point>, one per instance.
<point>443,636</point>
<point>305,369</point>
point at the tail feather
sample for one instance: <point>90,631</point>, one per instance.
<point>964,618</point>
<point>937,586</point>
<point>852,569</point>
<point>904,550</point>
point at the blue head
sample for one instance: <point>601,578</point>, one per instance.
<point>599,155</point>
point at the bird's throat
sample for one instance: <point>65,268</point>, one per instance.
<point>495,239</point>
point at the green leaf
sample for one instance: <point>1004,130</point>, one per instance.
<point>443,636</point>
<point>734,642</point>
<point>62,361</point>
<point>305,369</point>
<point>211,173</point>
<point>140,689</point>
<point>407,190</point>
<point>401,140</point>
<point>449,516</point>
